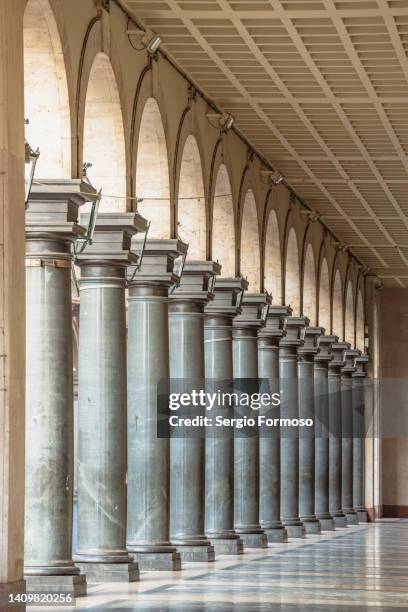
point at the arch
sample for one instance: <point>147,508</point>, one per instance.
<point>324,297</point>
<point>349,328</point>
<point>309,303</point>
<point>250,263</point>
<point>273,259</point>
<point>360,322</point>
<point>292,274</point>
<point>104,139</point>
<point>191,213</point>
<point>152,172</point>
<point>46,98</point>
<point>223,227</point>
<point>337,310</point>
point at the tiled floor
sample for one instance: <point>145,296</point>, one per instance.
<point>359,568</point>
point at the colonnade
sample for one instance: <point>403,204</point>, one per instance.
<point>147,502</point>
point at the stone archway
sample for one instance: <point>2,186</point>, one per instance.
<point>292,274</point>
<point>249,247</point>
<point>273,260</point>
<point>223,232</point>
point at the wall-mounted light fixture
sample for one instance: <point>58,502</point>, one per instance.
<point>148,39</point>
<point>31,158</point>
<point>221,121</point>
<point>272,177</point>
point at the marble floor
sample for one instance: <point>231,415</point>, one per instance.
<point>360,568</point>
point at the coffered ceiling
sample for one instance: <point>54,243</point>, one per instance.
<point>320,88</point>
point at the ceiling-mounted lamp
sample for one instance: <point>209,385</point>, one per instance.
<point>31,158</point>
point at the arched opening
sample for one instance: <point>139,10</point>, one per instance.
<point>104,140</point>
<point>273,262</point>
<point>349,327</point>
<point>309,287</point>
<point>324,297</point>
<point>337,326</point>
<point>249,247</point>
<point>45,92</point>
<point>191,201</point>
<point>223,232</point>
<point>152,172</point>
<point>360,322</point>
<point>292,274</point>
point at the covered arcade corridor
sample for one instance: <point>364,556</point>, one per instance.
<point>204,194</point>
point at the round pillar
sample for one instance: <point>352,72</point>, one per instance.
<point>246,446</point>
<point>219,446</point>
<point>148,495</point>
<point>358,438</point>
<point>322,427</point>
<point>347,438</point>
<point>269,443</point>
<point>101,547</point>
<point>186,342</point>
<point>51,228</point>
<point>289,460</point>
<point>335,424</point>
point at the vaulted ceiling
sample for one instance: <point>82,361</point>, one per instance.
<point>320,88</point>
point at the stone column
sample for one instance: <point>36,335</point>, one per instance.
<point>322,427</point>
<point>12,302</point>
<point>269,441</point>
<point>306,355</point>
<point>101,551</point>
<point>347,437</point>
<point>51,228</point>
<point>186,327</point>
<point>358,437</point>
<point>289,459</point>
<point>148,496</point>
<point>335,420</point>
<point>219,445</point>
<point>246,447</point>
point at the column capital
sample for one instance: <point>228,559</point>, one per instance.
<point>294,327</point>
<point>275,322</point>
<point>197,282</point>
<point>325,343</point>
<point>53,211</point>
<point>228,297</point>
<point>112,240</point>
<point>159,265</point>
<point>360,363</point>
<point>254,310</point>
<point>337,350</point>
<point>311,337</point>
<point>349,357</point>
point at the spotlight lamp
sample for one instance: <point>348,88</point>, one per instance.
<point>152,42</point>
<point>30,160</point>
<point>273,177</point>
<point>221,121</point>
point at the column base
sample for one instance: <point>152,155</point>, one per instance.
<point>362,516</point>
<point>351,518</point>
<point>278,535</point>
<point>11,588</point>
<point>191,552</point>
<point>327,524</point>
<point>69,584</point>
<point>311,527</point>
<point>340,522</point>
<point>227,546</point>
<point>296,531</point>
<point>254,540</point>
<point>158,561</point>
<point>110,572</point>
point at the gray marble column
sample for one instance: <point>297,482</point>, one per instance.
<point>148,494</point>
<point>358,437</point>
<point>269,443</point>
<point>306,355</point>
<point>101,456</point>
<point>322,427</point>
<point>51,228</point>
<point>335,421</point>
<point>347,437</point>
<point>219,449</point>
<point>246,448</point>
<point>289,458</point>
<point>187,476</point>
